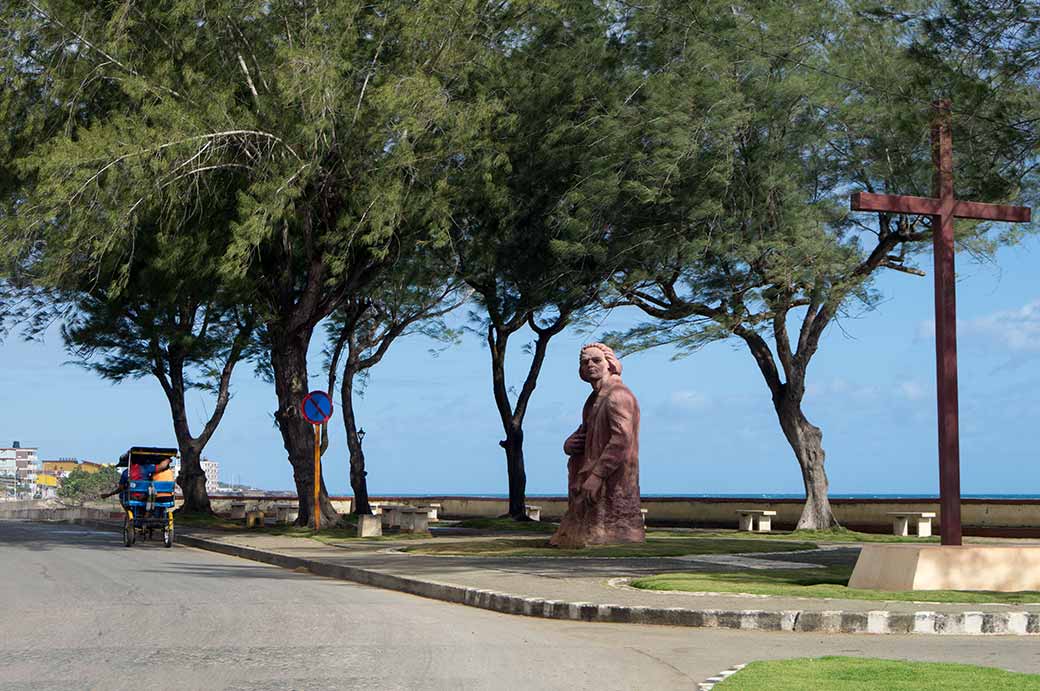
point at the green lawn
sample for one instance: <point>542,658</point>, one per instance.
<point>506,525</point>
<point>822,583</point>
<point>866,674</point>
<point>835,535</point>
<point>653,547</point>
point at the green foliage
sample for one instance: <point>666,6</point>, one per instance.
<point>868,674</point>
<point>80,486</point>
<point>755,123</point>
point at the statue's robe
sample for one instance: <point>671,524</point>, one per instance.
<point>610,421</point>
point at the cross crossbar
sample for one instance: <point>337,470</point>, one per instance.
<point>930,206</point>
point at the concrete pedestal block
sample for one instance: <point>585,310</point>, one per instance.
<point>642,513</point>
<point>1004,568</point>
<point>533,512</point>
<point>369,526</point>
<point>238,510</point>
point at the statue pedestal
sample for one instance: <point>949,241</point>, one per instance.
<point>1004,568</point>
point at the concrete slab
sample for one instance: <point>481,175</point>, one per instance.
<point>896,567</point>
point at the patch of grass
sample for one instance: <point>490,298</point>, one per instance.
<point>666,547</point>
<point>831,582</point>
<point>340,534</point>
<point>832,535</point>
<point>506,525</point>
<point>867,674</point>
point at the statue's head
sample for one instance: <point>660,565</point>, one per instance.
<point>598,362</point>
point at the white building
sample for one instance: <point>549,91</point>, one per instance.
<point>19,464</point>
<point>212,470</point>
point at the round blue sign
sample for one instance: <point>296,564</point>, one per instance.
<point>316,407</point>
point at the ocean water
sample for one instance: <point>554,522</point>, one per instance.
<point>744,495</point>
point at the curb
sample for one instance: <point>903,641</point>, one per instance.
<point>709,683</point>
<point>826,621</point>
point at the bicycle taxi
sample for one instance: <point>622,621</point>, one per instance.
<point>149,498</point>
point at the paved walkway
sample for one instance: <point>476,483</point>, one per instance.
<point>593,589</point>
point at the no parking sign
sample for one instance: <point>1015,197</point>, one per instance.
<point>317,409</point>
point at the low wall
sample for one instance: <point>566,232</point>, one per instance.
<point>979,516</point>
<point>1011,517</point>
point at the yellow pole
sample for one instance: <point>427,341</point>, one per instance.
<point>317,477</point>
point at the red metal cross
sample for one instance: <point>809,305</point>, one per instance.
<point>943,208</point>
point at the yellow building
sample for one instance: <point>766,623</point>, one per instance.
<point>46,481</point>
<point>90,466</point>
<point>59,467</point>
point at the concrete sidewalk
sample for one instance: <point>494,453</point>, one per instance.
<point>593,589</point>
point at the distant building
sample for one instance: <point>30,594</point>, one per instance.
<point>212,470</point>
<point>46,486</point>
<point>18,469</point>
<point>9,457</point>
<point>61,468</point>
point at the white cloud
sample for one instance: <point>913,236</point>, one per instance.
<point>688,400</point>
<point>1017,330</point>
<point>912,390</point>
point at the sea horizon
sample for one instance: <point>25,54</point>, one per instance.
<point>701,495</point>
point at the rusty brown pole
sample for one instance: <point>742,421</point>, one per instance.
<point>946,329</point>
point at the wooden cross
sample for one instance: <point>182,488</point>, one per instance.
<point>943,208</point>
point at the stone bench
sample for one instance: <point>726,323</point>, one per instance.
<point>756,520</point>
<point>413,520</point>
<point>642,513</point>
<point>922,522</point>
<point>286,513</point>
<point>533,512</point>
<point>238,510</point>
<point>390,514</point>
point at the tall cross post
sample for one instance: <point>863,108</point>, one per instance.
<point>943,207</point>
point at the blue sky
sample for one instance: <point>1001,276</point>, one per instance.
<point>708,425</point>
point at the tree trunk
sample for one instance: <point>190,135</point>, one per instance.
<point>192,481</point>
<point>806,441</point>
<point>289,364</point>
<point>358,474</point>
<point>514,448</point>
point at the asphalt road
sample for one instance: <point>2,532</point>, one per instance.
<point>78,610</point>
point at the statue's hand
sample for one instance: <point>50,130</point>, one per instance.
<point>592,489</point>
<point>575,444</point>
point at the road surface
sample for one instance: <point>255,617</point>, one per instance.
<point>79,610</point>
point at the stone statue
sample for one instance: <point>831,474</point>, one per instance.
<point>603,464</point>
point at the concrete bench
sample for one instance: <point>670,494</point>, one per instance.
<point>756,520</point>
<point>390,514</point>
<point>286,513</point>
<point>255,519</point>
<point>533,512</point>
<point>433,509</point>
<point>642,512</point>
<point>413,520</point>
<point>922,522</point>
<point>238,510</point>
